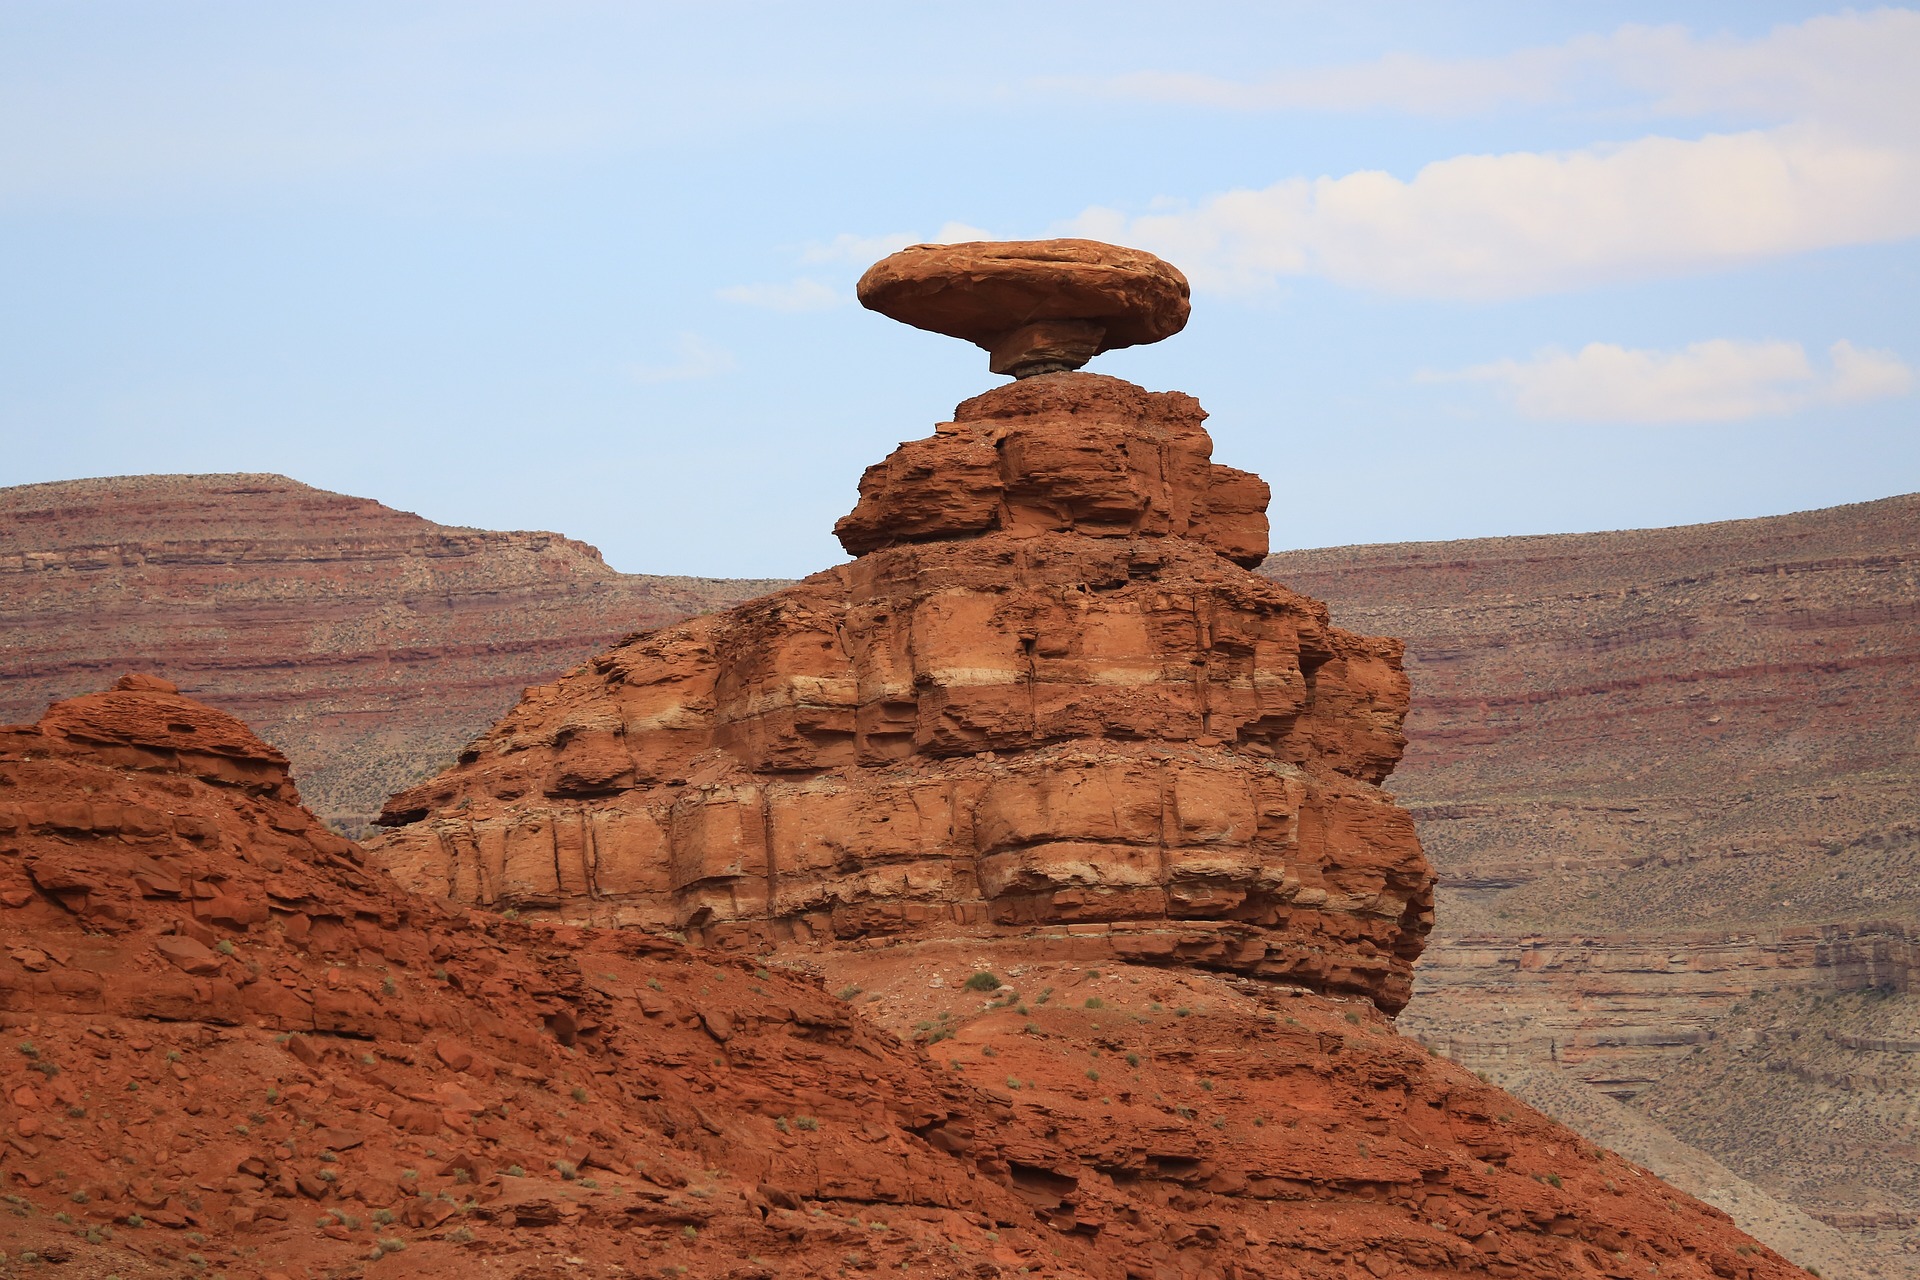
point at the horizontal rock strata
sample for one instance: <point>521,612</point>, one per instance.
<point>1040,715</point>
<point>366,643</point>
<point>233,1047</point>
<point>1664,774</point>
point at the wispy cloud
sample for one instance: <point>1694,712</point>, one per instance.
<point>839,256</point>
<point>1723,380</point>
<point>693,357</point>
<point>802,294</point>
<point>1524,223</point>
<point>1831,66</point>
<point>1836,161</point>
<point>860,249</point>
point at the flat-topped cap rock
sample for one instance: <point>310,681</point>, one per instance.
<point>1036,306</point>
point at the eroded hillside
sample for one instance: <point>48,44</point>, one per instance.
<point>1670,780</point>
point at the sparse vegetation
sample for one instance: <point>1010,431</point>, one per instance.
<point>984,981</point>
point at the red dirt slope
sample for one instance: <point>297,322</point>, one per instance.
<point>230,1048</point>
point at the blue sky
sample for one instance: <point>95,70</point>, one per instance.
<point>1459,269</point>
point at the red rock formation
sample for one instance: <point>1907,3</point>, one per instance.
<point>1036,306</point>
<point>1041,696</point>
<point>365,642</point>
<point>233,1048</point>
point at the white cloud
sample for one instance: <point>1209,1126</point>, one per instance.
<point>1532,222</point>
<point>863,250</point>
<point>1867,375</point>
<point>693,357</point>
<point>802,294</point>
<point>847,247</point>
<point>1723,380</point>
<point>1836,163</point>
<point>958,233</point>
<point>1856,66</point>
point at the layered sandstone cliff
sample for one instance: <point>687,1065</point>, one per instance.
<point>1044,695</point>
<point>365,642</point>
<point>1670,780</point>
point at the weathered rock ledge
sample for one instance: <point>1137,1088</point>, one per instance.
<point>1045,694</point>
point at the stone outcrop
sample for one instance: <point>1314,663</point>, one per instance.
<point>365,642</point>
<point>1035,306</point>
<point>235,1048</point>
<point>1093,456</point>
<point>1044,695</point>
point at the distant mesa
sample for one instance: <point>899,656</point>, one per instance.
<point>1035,306</point>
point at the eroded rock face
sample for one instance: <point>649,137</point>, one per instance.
<point>1087,454</point>
<point>366,643</point>
<point>1043,697</point>
<point>231,1047</point>
<point>1670,781</point>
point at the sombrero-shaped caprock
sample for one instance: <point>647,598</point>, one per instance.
<point>1036,306</point>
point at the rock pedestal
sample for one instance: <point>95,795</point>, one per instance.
<point>1046,695</point>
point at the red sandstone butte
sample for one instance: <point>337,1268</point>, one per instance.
<point>346,1078</point>
<point>1049,782</point>
<point>1046,695</point>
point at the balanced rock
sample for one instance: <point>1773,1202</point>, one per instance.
<point>1036,306</point>
<point>1047,696</point>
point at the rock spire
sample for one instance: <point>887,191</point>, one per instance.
<point>1047,699</point>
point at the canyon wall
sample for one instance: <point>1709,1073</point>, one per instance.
<point>1670,779</point>
<point>365,642</point>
